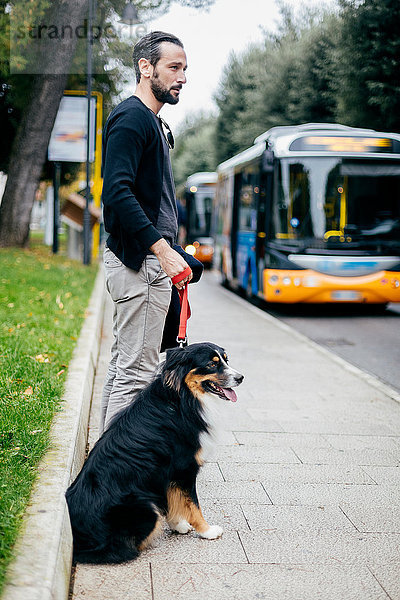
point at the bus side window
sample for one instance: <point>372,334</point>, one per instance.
<point>300,217</point>
<point>207,214</point>
<point>279,222</point>
<point>247,204</point>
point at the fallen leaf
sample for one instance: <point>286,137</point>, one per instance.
<point>42,358</point>
<point>28,391</point>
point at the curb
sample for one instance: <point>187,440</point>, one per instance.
<point>372,380</point>
<point>42,567</point>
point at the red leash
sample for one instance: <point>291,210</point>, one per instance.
<point>185,308</point>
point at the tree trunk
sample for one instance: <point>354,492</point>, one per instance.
<point>30,146</point>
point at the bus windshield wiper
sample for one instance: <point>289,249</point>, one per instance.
<point>383,228</point>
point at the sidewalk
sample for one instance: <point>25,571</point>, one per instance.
<point>305,480</point>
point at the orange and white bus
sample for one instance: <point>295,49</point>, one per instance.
<point>311,213</point>
<point>199,195</point>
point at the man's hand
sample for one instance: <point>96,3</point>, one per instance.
<point>171,261</point>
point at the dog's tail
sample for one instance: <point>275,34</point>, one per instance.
<point>118,551</point>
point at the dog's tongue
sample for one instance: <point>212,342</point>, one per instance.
<point>230,394</point>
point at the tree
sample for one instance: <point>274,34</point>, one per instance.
<point>38,113</point>
<point>238,99</point>
<point>31,141</point>
<point>315,86</point>
<point>195,147</point>
<point>285,81</point>
<point>369,64</point>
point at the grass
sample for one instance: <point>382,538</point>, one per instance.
<point>42,306</point>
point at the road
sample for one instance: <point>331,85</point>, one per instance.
<point>365,337</point>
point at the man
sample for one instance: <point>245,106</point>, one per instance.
<point>140,214</point>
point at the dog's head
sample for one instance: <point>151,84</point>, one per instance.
<point>204,369</point>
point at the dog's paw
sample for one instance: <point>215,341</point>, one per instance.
<point>214,532</point>
<point>182,527</point>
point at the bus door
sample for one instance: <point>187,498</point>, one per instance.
<point>264,212</point>
<point>247,230</point>
<point>235,216</point>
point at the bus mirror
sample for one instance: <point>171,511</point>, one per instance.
<point>267,161</point>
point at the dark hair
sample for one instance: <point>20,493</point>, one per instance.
<point>149,46</point>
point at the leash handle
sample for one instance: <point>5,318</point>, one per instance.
<point>185,308</point>
<point>182,275</point>
<point>184,316</point>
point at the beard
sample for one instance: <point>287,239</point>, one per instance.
<point>161,93</point>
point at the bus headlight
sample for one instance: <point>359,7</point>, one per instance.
<point>311,281</point>
<point>273,280</point>
<point>286,281</point>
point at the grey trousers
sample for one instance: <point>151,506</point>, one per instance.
<point>141,301</point>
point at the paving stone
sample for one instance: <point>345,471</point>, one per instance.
<point>237,418</point>
<point>267,399</point>
<point>379,518</point>
<point>130,581</point>
<point>328,421</point>
<point>348,457</point>
<point>210,471</point>
<point>225,438</point>
<point>295,518</point>
<point>334,426</point>
<point>384,475</point>
<point>299,473</point>
<point>247,423</point>
<point>320,547</point>
<point>226,513</point>
<point>264,582</point>
<point>257,454</point>
<point>363,442</point>
<point>242,491</point>
<point>310,440</point>
<point>323,494</point>
<point>190,548</point>
<point>388,577</point>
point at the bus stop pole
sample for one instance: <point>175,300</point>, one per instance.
<point>56,204</point>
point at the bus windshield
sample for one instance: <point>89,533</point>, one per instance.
<point>336,199</point>
<point>199,210</point>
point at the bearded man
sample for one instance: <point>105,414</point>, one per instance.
<point>140,215</point>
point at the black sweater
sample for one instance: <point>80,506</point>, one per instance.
<point>132,185</point>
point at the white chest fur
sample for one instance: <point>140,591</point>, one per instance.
<point>212,416</point>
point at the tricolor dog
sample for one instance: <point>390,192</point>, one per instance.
<point>144,467</point>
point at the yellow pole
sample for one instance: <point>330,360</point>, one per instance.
<point>343,206</point>
<point>97,180</point>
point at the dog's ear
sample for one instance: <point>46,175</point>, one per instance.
<point>173,371</point>
<point>174,357</point>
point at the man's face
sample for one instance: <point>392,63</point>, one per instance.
<point>169,74</point>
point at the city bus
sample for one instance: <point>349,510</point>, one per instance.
<point>311,214</point>
<point>199,196</point>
